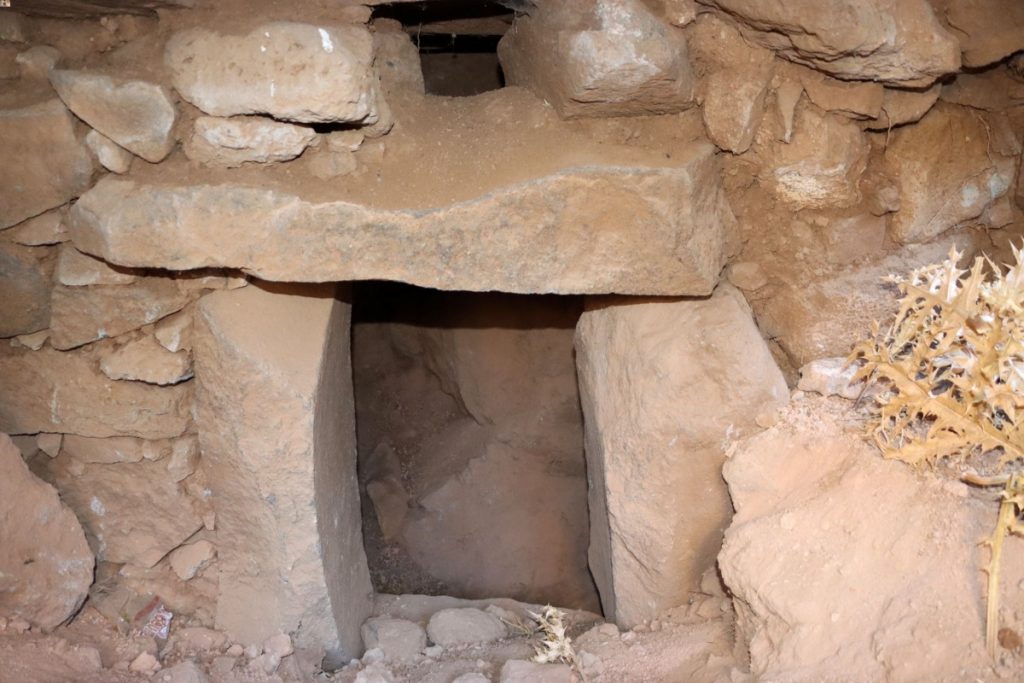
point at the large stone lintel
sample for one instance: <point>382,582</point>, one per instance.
<point>655,231</point>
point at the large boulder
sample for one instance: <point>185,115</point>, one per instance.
<point>291,71</point>
<point>46,565</point>
<point>598,58</point>
<point>24,292</point>
<point>897,42</point>
<point>848,567</point>
<point>656,230</point>
<point>949,171</point>
<point>137,115</point>
<point>663,384</point>
<point>65,392</point>
<point>276,424</point>
<point>42,162</point>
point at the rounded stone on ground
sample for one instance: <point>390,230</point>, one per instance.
<point>280,645</point>
<point>145,663</point>
<point>460,626</point>
<point>399,639</point>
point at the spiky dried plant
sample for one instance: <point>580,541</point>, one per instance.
<point>952,363</point>
<point>554,644</point>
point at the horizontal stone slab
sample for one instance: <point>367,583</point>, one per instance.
<point>655,231</point>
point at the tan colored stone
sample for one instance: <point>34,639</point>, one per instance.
<point>33,341</point>
<point>947,171</point>
<point>46,565</point>
<point>821,164</point>
<point>747,275</point>
<point>43,164</point>
<point>288,351</point>
<point>137,115</point>
<point>75,269</point>
<point>598,58</point>
<point>831,377</point>
<point>111,156</point>
<point>855,528</point>
<point>397,60</point>
<point>43,230</point>
<point>988,30</point>
<point>191,558</point>
<point>133,510</point>
<point>291,71</point>
<point>54,391</point>
<point>103,450</point>
<point>857,100</point>
<point>50,443</point>
<point>904,106</point>
<point>896,42</point>
<point>184,457</point>
<point>80,315</point>
<point>655,231</point>
<point>24,292</point>
<point>651,447</point>
<point>733,106</point>
<point>993,89</point>
<point>175,331</point>
<point>38,61</point>
<point>252,139</point>
<point>146,360</point>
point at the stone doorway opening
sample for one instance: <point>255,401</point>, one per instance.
<point>471,462</point>
<point>457,42</point>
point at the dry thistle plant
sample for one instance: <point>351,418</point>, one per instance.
<point>555,645</point>
<point>952,364</point>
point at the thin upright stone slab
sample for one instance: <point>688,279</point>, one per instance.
<point>656,231</point>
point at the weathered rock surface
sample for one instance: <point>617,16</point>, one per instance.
<point>987,30</point>
<point>631,231</point>
<point>42,230</point>
<point>291,71</point>
<point>54,391</point>
<point>651,448</point>
<point>75,269</point>
<point>44,164</point>
<point>134,512</point>
<point>46,565</point>
<point>287,350</point>
<point>38,61</point>
<point>903,106</point>
<point>175,331</point>
<point>146,360</point>
<point>399,639</point>
<point>880,578</point>
<point>24,292</point>
<point>831,377</point>
<point>111,155</point>
<point>137,115</point>
<point>856,100</point>
<point>821,164</point>
<point>897,42</point>
<point>191,558</point>
<point>523,671</point>
<point>79,315</point>
<point>598,58</point>
<point>235,141</point>
<point>103,450</point>
<point>462,625</point>
<point>948,170</point>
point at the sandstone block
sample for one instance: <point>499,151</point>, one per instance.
<point>463,625</point>
<point>79,315</point>
<point>75,269</point>
<point>651,448</point>
<point>857,100</point>
<point>53,391</point>
<point>399,639</point>
<point>948,172</point>
<point>291,71</point>
<point>631,231</point>
<point>42,230</point>
<point>189,559</point>
<point>851,598</point>
<point>103,450</point>
<point>988,30</point>
<point>137,115</point>
<point>897,42</point>
<point>733,106</point>
<point>145,360</point>
<point>24,292</point>
<point>111,156</point>
<point>598,58</point>
<point>175,331</point>
<point>46,565</point>
<point>277,572</point>
<point>134,511</point>
<point>235,141</point>
<point>43,163</point>
<point>903,106</point>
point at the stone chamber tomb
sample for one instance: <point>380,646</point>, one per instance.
<point>339,339</point>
